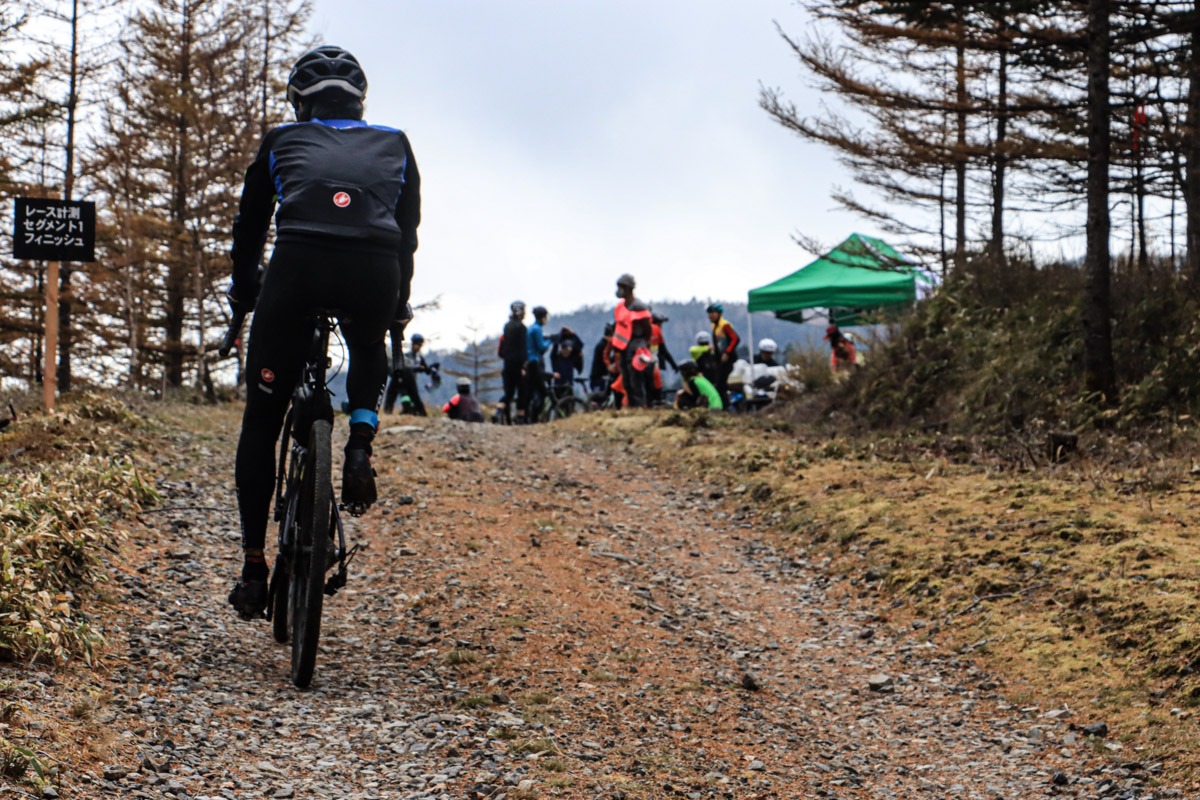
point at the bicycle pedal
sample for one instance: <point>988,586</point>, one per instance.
<point>354,509</point>
<point>335,582</point>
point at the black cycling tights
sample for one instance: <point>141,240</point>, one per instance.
<point>306,276</point>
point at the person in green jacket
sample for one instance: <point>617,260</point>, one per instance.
<point>697,390</point>
<point>706,360</point>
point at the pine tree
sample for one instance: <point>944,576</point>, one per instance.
<point>23,110</point>
<point>200,80</point>
<point>480,364</point>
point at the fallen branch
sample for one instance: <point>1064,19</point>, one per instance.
<point>1000,596</point>
<point>617,556</point>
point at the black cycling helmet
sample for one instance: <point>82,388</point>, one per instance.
<point>517,308</point>
<point>417,338</point>
<point>627,281</point>
<point>326,68</point>
<point>659,319</point>
<point>539,312</point>
<point>689,369</point>
<point>715,307</point>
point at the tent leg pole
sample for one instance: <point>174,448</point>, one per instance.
<point>750,333</point>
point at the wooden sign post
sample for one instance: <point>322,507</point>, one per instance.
<point>50,371</point>
<point>54,231</point>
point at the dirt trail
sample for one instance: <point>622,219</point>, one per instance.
<point>540,615</point>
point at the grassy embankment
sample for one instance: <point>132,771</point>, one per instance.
<point>1077,584</point>
<point>65,480</point>
<point>927,478</point>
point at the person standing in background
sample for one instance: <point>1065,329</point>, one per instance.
<point>632,328</point>
<point>725,344</point>
<point>599,374</point>
<point>512,353</point>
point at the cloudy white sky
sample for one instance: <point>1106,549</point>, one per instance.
<point>563,143</point>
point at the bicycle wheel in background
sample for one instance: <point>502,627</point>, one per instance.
<point>309,553</point>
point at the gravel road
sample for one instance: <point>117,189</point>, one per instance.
<point>540,614</point>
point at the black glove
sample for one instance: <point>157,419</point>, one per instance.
<point>243,297</point>
<point>404,314</point>
<point>244,294</point>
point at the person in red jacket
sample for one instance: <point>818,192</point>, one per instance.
<point>843,356</point>
<point>631,337</point>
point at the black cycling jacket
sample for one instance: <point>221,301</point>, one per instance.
<point>331,178</point>
<point>512,345</point>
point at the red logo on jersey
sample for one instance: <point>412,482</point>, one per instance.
<point>341,199</point>
<point>267,375</point>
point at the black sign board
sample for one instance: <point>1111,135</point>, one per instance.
<point>54,230</point>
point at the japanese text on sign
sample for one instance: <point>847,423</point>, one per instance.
<point>54,230</point>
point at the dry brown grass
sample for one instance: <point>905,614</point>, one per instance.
<point>1078,585</point>
<point>56,511</point>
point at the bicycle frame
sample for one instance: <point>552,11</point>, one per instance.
<point>310,402</point>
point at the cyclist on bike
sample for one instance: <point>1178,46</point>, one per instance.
<point>405,381</point>
<point>536,345</point>
<point>463,405</point>
<point>349,204</point>
<point>565,359</point>
<point>512,351</point>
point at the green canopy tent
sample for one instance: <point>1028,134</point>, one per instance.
<point>860,273</point>
<point>862,277</point>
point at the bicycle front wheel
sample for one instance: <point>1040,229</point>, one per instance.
<point>309,554</point>
<point>280,600</point>
<point>567,407</point>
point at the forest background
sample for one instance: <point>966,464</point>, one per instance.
<point>959,121</point>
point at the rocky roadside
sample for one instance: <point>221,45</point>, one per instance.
<point>540,614</point>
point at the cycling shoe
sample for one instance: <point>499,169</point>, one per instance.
<point>249,598</point>
<point>358,481</point>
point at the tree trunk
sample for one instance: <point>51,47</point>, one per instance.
<point>1143,248</point>
<point>178,269</point>
<point>1191,135</point>
<point>65,338</point>
<point>960,156</point>
<point>942,224</point>
<point>1099,373</point>
<point>1001,161</point>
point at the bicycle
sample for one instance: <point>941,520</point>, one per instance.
<point>304,508</point>
<point>559,404</point>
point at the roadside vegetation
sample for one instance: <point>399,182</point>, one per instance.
<point>1077,584</point>
<point>65,480</point>
<point>999,352</point>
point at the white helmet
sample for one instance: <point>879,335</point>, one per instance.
<point>768,346</point>
<point>703,337</point>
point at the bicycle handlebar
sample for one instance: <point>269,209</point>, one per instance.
<point>235,330</point>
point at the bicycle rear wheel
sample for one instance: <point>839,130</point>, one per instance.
<point>309,553</point>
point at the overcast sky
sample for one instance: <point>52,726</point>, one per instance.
<point>563,143</point>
